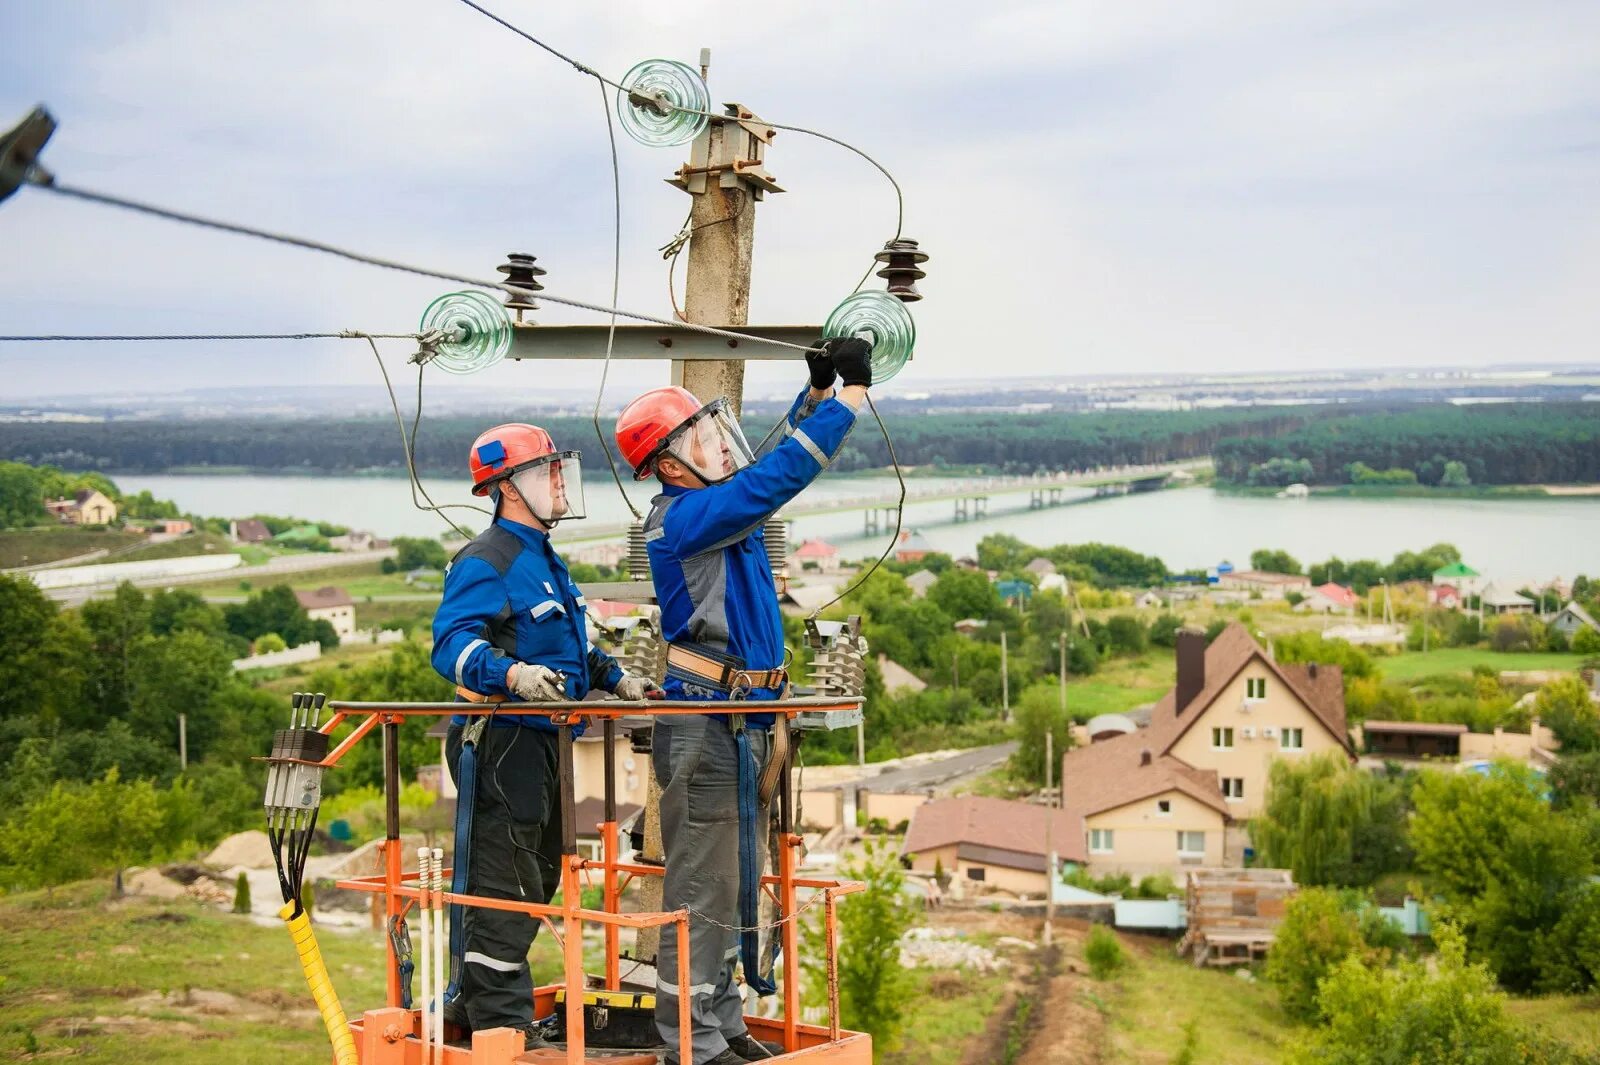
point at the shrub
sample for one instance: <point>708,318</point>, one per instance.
<point>1587,642</point>
<point>241,894</point>
<point>1103,951</point>
<point>1320,929</point>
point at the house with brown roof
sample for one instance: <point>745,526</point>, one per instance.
<point>1269,585</point>
<point>88,506</point>
<point>332,605</point>
<point>995,843</point>
<point>1177,792</point>
<point>249,531</point>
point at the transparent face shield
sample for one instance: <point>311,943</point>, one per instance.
<point>552,487</point>
<point>711,444</point>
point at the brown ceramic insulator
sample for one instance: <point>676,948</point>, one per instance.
<point>900,259</point>
<point>520,271</point>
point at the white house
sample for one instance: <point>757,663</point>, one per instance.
<point>1572,620</point>
<point>332,605</point>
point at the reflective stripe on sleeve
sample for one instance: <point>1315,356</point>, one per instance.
<point>461,659</point>
<point>811,446</point>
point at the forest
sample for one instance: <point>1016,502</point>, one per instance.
<point>1000,442</point>
<point>1440,445</point>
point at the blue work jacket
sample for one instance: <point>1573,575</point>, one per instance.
<point>708,556</point>
<point>509,598</point>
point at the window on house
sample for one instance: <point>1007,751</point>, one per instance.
<point>1100,841</point>
<point>1222,739</point>
<point>1255,687</point>
<point>1163,807</point>
<point>1191,844</point>
<point>1292,739</point>
<point>976,872</point>
<point>1233,788</point>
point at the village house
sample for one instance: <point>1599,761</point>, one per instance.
<point>249,531</point>
<point>995,843</point>
<point>88,506</point>
<point>1463,578</point>
<point>913,547</point>
<point>357,540</point>
<point>920,581</point>
<point>1040,568</point>
<point>1330,598</point>
<point>332,605</point>
<point>1573,619</point>
<point>1269,585</point>
<point>1177,792</point>
<point>1497,600</point>
<point>817,555</point>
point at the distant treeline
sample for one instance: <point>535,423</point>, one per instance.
<point>1015,443</point>
<point>1498,444</point>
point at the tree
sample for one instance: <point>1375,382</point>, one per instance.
<point>1352,661</point>
<point>1320,929</point>
<point>276,609</point>
<point>1274,561</point>
<point>1443,1012</point>
<point>874,988</point>
<point>1126,634</point>
<point>1164,630</point>
<point>1575,778</point>
<point>963,593</point>
<point>1455,475</point>
<point>1330,822</point>
<point>21,495</point>
<point>1565,707</point>
<point>241,893</point>
<point>1506,863</point>
<point>416,553</point>
<point>1586,642</point>
<point>42,669</point>
<point>1038,713</point>
<point>1103,951</point>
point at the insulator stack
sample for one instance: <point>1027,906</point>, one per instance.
<point>469,332</point>
<point>884,322</point>
<point>901,270</point>
<point>838,657</point>
<point>520,271</point>
<point>776,535</point>
<point>638,557</point>
<point>645,652</point>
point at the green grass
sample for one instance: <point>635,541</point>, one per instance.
<point>1153,999</point>
<point>360,579</point>
<point>1574,1019</point>
<point>942,1024</point>
<point>28,547</point>
<point>200,543</point>
<point>1121,684</point>
<point>1414,664</point>
<point>83,977</point>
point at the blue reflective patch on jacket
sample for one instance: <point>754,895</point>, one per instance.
<point>509,598</point>
<point>708,556</point>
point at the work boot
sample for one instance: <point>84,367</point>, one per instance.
<point>533,1037</point>
<point>455,1013</point>
<point>752,1049</point>
<point>727,1057</point>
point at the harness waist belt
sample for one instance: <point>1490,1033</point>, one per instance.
<point>474,697</point>
<point>724,673</point>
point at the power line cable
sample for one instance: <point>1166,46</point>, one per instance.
<point>616,285</point>
<point>899,513</point>
<point>171,215</point>
<point>900,201</point>
<point>348,334</point>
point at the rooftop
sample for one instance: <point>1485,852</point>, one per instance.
<point>997,825</point>
<point>1421,728</point>
<point>324,597</point>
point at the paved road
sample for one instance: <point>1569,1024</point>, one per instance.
<point>277,567</point>
<point>968,763</point>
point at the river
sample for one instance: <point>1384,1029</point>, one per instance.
<point>1512,540</point>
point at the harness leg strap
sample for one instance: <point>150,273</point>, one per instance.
<point>749,864</point>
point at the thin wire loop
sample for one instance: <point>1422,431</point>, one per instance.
<point>616,285</point>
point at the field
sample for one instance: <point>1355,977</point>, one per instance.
<point>1121,684</point>
<point>28,547</point>
<point>1414,664</point>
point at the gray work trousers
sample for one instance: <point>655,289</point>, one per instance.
<point>696,763</point>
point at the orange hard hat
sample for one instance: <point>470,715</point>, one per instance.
<point>501,451</point>
<point>646,425</point>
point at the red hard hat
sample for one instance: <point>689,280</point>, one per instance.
<point>499,452</point>
<point>644,425</point>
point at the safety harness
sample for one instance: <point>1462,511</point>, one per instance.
<point>466,799</point>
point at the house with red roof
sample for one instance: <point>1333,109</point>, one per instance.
<point>817,554</point>
<point>1330,598</point>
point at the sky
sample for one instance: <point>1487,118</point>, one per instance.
<point>1153,187</point>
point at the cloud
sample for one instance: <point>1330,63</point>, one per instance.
<point>1158,187</point>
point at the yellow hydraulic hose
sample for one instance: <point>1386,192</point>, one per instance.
<point>327,999</point>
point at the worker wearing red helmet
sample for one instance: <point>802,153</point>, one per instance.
<point>511,626</point>
<point>719,615</point>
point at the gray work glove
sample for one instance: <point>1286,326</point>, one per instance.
<point>532,683</point>
<point>632,688</point>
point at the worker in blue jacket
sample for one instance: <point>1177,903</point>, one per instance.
<point>719,615</point>
<point>511,627</point>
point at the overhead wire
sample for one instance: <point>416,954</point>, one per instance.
<point>616,286</point>
<point>108,200</point>
<point>348,334</point>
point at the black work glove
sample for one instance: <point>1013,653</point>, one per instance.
<point>820,363</point>
<point>852,357</point>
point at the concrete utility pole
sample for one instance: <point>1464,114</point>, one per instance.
<point>1005,681</point>
<point>183,742</point>
<point>1049,837</point>
<point>724,179</point>
<point>1063,642</point>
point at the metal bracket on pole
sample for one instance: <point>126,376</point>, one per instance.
<point>656,342</point>
<point>19,152</point>
<point>733,150</point>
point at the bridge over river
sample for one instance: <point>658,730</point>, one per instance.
<point>970,499</point>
